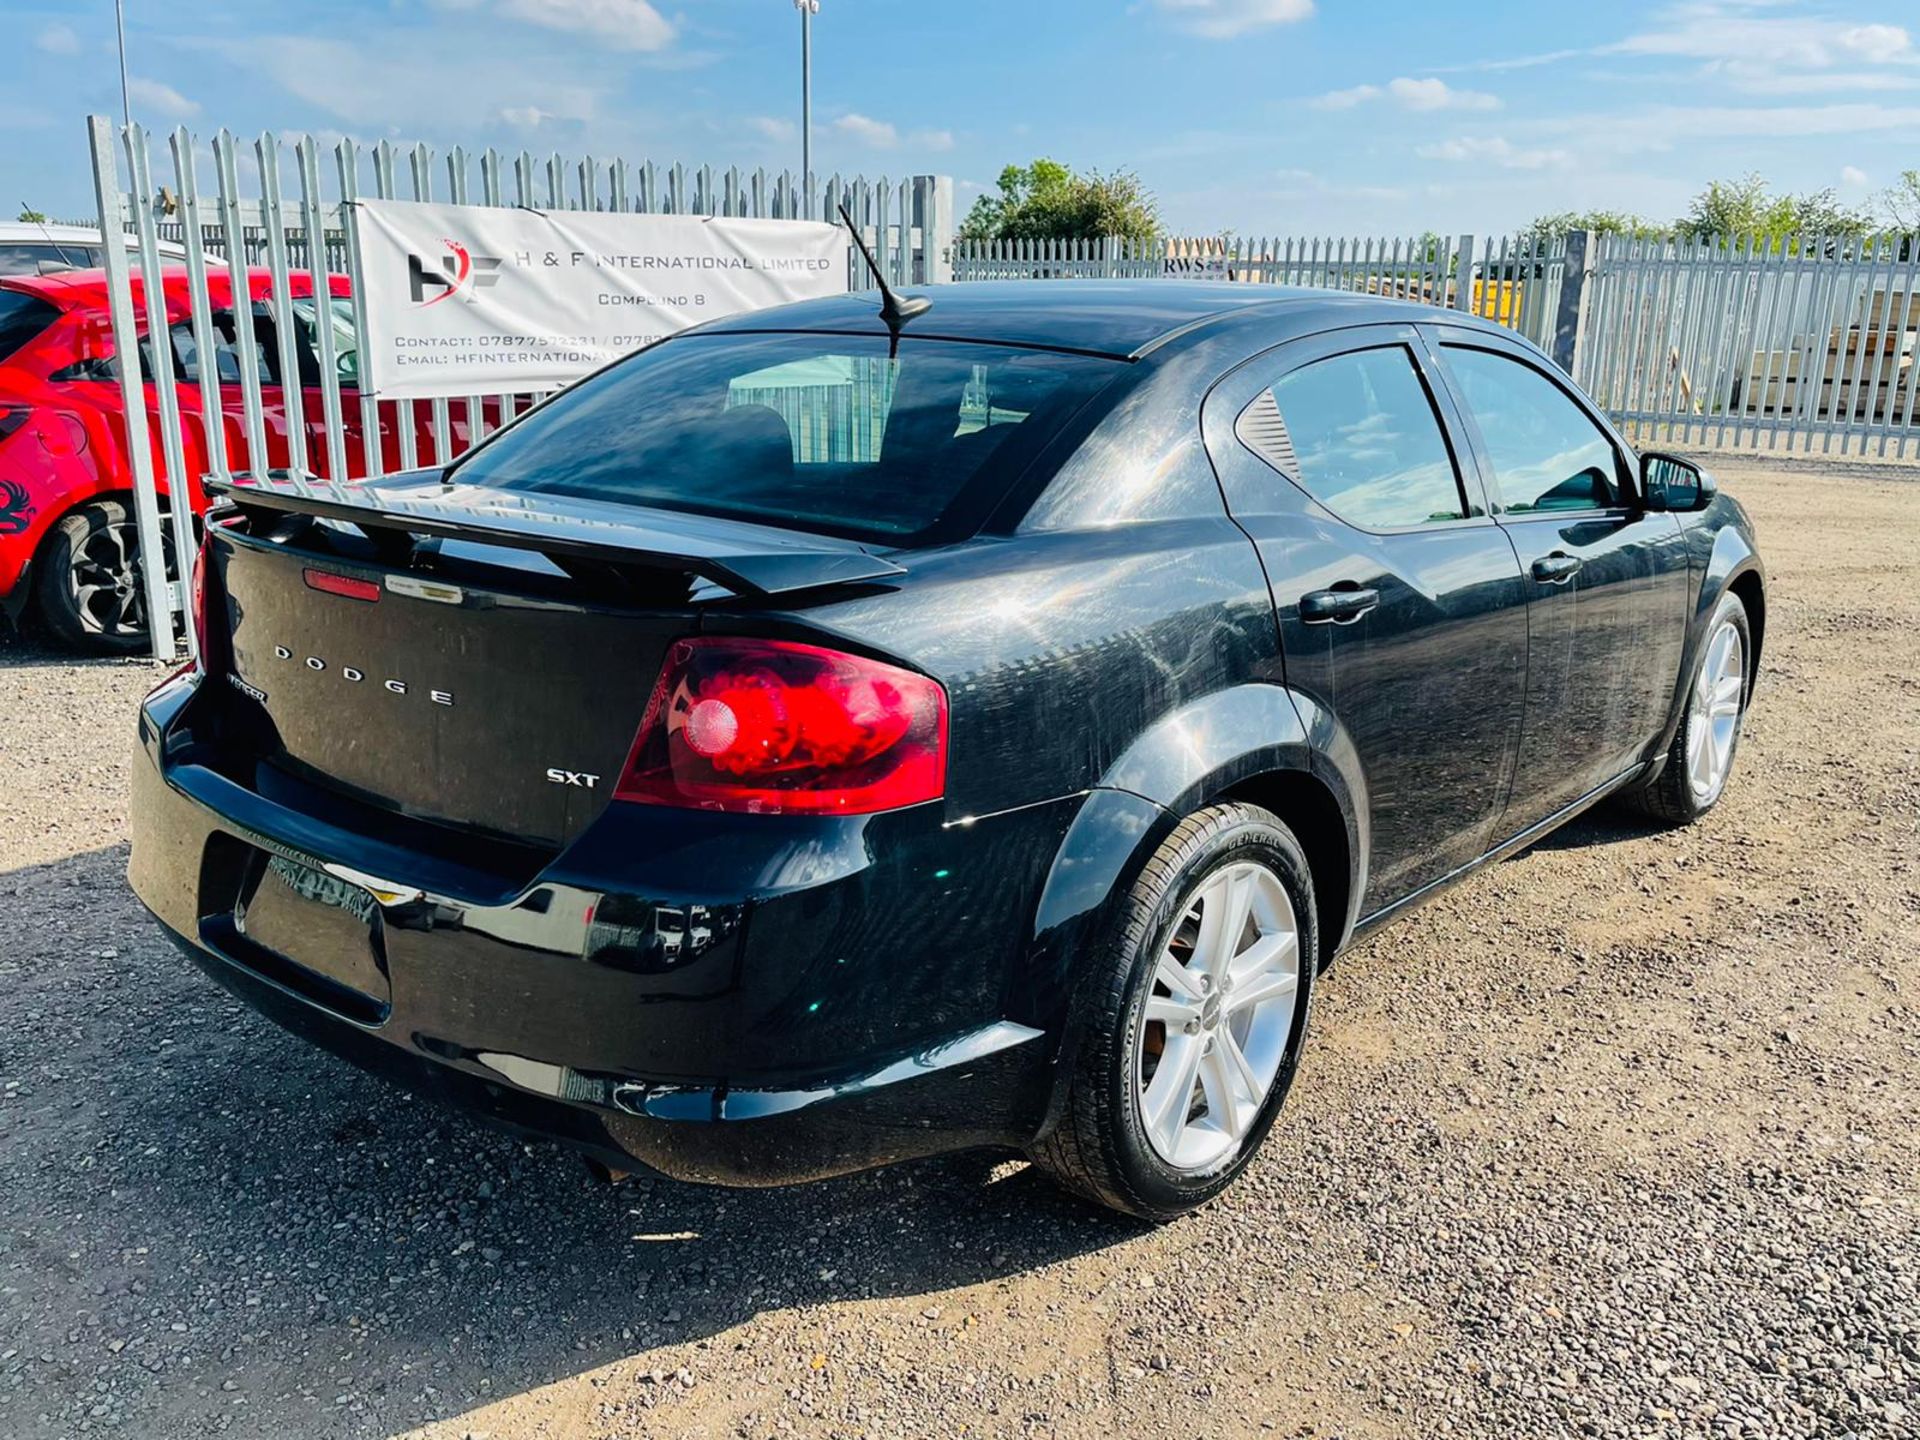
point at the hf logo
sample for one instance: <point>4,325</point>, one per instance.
<point>458,272</point>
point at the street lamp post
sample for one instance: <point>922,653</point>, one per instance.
<point>808,9</point>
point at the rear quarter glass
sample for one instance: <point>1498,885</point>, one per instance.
<point>827,433</point>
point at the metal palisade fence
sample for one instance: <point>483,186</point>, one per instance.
<point>1513,280</point>
<point>1808,344</point>
<point>1802,344</point>
<point>279,391</point>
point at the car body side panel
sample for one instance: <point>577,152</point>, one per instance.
<point>1057,650</point>
<point>1720,549</point>
<point>1603,643</point>
<point>1428,686</point>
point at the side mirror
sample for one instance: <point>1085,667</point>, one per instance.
<point>1672,483</point>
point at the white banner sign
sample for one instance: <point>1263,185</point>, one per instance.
<point>465,299</point>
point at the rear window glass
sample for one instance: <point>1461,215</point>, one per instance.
<point>39,257</point>
<point>820,432</point>
<point>21,318</point>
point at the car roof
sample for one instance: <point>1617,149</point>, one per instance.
<point>27,231</point>
<point>1124,319</point>
<point>87,289</point>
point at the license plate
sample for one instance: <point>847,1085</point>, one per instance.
<point>317,921</point>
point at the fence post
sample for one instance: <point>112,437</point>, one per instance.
<point>1572,310</point>
<point>133,397</point>
<point>1463,274</point>
<point>936,227</point>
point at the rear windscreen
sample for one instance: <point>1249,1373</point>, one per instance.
<point>820,432</point>
<point>21,318</point>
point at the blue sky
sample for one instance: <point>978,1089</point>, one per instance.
<point>1262,116</point>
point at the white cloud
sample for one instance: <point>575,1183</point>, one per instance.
<point>1409,94</point>
<point>1853,177</point>
<point>161,99</point>
<point>1497,151</point>
<point>885,135</point>
<point>1657,128</point>
<point>1431,94</point>
<point>771,127</point>
<point>1727,32</point>
<point>1224,19</point>
<point>1294,184</point>
<point>58,40</point>
<point>1346,99</point>
<point>526,117</point>
<point>462,89</point>
<point>622,24</point>
<point>880,134</point>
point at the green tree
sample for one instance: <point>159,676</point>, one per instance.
<point>1748,207</point>
<point>1048,201</point>
<point>1600,222</point>
<point>31,217</point>
<point>1902,203</point>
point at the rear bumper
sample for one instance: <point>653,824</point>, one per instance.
<point>746,1000</point>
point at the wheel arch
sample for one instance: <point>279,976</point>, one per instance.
<point>1751,587</point>
<point>1247,743</point>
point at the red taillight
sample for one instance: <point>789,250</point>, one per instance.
<point>772,727</point>
<point>346,585</point>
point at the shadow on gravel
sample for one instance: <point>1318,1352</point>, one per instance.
<point>1603,825</point>
<point>31,649</point>
<point>231,1205</point>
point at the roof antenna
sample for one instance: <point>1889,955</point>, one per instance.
<point>47,235</point>
<point>895,310</point>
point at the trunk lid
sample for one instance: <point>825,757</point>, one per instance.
<point>479,664</point>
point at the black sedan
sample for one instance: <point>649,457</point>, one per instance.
<point>827,738</point>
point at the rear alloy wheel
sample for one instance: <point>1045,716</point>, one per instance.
<point>90,587</point>
<point>1701,756</point>
<point>1218,1016</point>
<point>1198,1000</point>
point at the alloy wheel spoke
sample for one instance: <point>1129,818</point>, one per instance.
<point>1269,986</point>
<point>1171,1011</point>
<point>1168,1098</point>
<point>84,597</point>
<point>1722,645</point>
<point>1270,952</point>
<point>1177,978</point>
<point>1242,1067</point>
<point>1223,1101</point>
<point>1223,915</point>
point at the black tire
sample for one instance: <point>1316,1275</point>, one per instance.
<point>87,582</point>
<point>1099,1148</point>
<point>1673,798</point>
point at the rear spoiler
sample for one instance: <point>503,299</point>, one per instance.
<point>747,559</point>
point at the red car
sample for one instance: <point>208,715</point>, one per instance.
<point>67,546</point>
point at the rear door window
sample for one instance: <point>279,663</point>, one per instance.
<point>835,433</point>
<point>21,318</point>
<point>1548,456</point>
<point>1359,433</point>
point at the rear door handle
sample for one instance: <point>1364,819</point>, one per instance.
<point>1555,569</point>
<point>1336,607</point>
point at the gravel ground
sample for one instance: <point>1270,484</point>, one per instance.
<point>1616,1139</point>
